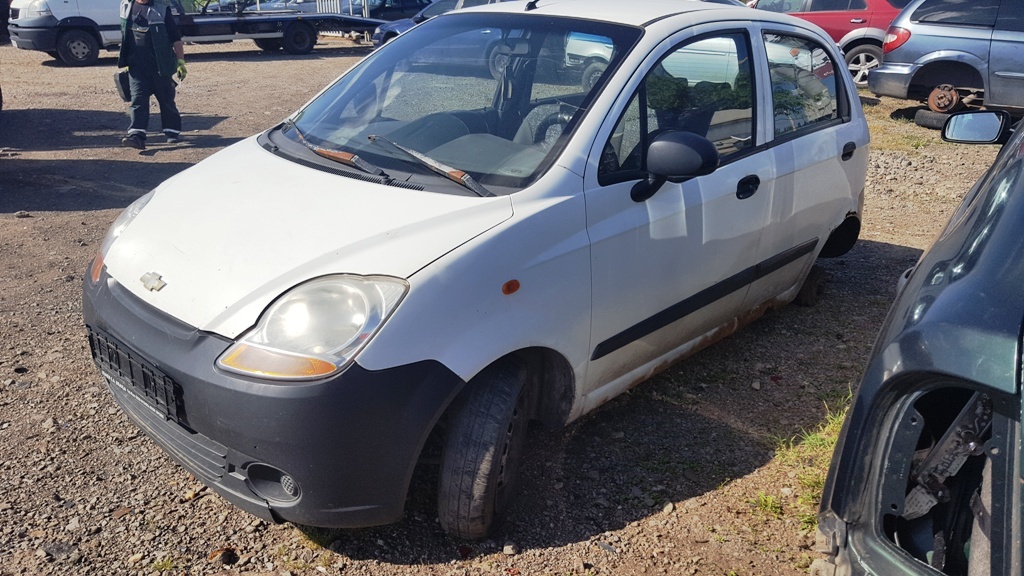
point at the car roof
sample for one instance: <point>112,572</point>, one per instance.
<point>639,12</point>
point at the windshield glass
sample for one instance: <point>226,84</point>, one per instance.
<point>494,96</point>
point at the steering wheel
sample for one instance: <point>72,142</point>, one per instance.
<point>541,133</point>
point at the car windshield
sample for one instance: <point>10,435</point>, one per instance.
<point>494,96</point>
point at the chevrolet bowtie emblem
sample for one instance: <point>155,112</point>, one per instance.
<point>152,281</point>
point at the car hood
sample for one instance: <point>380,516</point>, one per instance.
<point>232,233</point>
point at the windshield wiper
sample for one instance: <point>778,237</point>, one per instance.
<point>453,174</point>
<point>346,158</point>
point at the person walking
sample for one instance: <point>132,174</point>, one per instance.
<point>152,51</point>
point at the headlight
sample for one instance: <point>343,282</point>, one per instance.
<point>37,8</point>
<point>120,223</point>
<point>315,329</point>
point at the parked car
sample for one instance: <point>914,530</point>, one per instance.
<point>384,9</point>
<point>386,32</point>
<point>926,476</point>
<point>425,260</point>
<point>858,26</point>
<point>949,54</point>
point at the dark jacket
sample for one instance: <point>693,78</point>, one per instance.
<point>163,33</point>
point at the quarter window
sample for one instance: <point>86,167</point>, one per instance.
<point>803,81</point>
<point>962,12</point>
<point>704,87</point>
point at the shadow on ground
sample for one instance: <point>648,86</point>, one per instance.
<point>680,435</point>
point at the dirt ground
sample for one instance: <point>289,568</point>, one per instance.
<point>663,480</point>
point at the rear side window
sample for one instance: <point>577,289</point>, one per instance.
<point>804,91</point>
<point>836,5</point>
<point>783,6</point>
<point>957,12</point>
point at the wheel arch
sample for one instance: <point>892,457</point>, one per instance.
<point>960,70</point>
<point>843,238</point>
<point>862,36</point>
<point>80,23</point>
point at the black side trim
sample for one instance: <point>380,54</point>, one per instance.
<point>701,299</point>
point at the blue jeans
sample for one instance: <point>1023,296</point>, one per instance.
<point>145,82</point>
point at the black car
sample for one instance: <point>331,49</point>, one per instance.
<point>926,477</point>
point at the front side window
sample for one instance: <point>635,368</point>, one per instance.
<point>703,87</point>
<point>957,12</point>
<point>484,95</point>
<point>803,83</point>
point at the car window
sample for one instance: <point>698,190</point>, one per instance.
<point>803,83</point>
<point>957,12</point>
<point>439,7</point>
<point>704,87</point>
<point>489,95</point>
<point>828,5</point>
<point>1011,17</point>
<point>901,4</point>
<point>783,6</point>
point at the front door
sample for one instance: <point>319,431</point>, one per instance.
<point>673,267</point>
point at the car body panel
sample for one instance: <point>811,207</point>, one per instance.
<point>954,329</point>
<point>545,260</point>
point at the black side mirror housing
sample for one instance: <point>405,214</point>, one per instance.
<point>675,156</point>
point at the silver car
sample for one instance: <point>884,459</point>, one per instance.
<point>950,53</point>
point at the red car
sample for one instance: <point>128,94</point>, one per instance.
<point>857,26</point>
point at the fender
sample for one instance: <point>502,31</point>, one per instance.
<point>946,56</point>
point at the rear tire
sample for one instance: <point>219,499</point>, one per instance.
<point>78,48</point>
<point>813,287</point>
<point>862,59</point>
<point>480,464</point>
<point>268,44</point>
<point>929,119</point>
<point>298,39</point>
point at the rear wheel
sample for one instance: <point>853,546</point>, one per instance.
<point>814,286</point>
<point>78,48</point>
<point>862,59</point>
<point>592,74</point>
<point>299,38</point>
<point>480,463</point>
<point>268,44</point>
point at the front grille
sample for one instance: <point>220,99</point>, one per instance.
<point>140,378</point>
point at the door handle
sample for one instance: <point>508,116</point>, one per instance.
<point>747,186</point>
<point>848,150</point>
<point>857,21</point>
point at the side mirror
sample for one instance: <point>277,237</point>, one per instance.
<point>675,156</point>
<point>977,127</point>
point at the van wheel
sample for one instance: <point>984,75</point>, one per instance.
<point>928,119</point>
<point>480,464</point>
<point>814,286</point>
<point>78,48</point>
<point>268,44</point>
<point>592,74</point>
<point>497,59</point>
<point>298,39</point>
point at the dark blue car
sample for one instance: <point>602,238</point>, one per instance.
<point>926,477</point>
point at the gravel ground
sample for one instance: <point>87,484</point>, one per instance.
<point>660,480</point>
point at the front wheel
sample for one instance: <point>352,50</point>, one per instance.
<point>592,74</point>
<point>78,48</point>
<point>497,59</point>
<point>480,463</point>
<point>298,39</point>
<point>861,60</point>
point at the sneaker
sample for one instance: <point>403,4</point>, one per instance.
<point>172,138</point>
<point>134,141</point>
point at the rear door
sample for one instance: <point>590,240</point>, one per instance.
<point>1006,75</point>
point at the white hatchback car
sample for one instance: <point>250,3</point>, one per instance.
<point>425,251</point>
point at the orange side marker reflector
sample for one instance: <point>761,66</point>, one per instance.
<point>510,287</point>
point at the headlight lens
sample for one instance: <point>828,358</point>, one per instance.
<point>37,8</point>
<point>315,329</point>
<point>120,223</point>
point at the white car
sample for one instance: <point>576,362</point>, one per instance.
<point>426,251</point>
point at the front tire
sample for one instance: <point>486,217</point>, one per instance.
<point>592,75</point>
<point>78,48</point>
<point>480,464</point>
<point>298,39</point>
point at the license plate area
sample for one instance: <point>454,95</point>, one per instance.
<point>124,369</point>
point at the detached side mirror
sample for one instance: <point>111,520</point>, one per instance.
<point>977,127</point>
<point>675,156</point>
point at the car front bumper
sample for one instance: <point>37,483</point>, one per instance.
<point>334,453</point>
<point>891,79</point>
<point>34,33</point>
